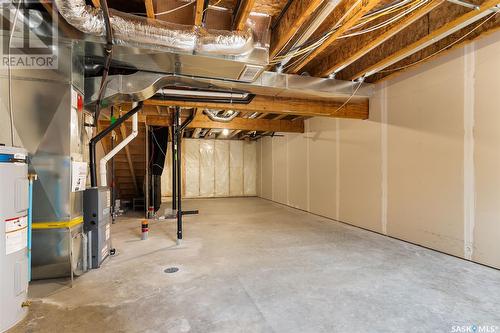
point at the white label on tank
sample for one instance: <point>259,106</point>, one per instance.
<point>16,234</point>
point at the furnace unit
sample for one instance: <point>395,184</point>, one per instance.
<point>97,224</point>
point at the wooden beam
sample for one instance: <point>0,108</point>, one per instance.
<point>123,133</point>
<point>351,49</point>
<point>240,19</point>
<point>346,14</point>
<point>150,11</point>
<point>198,14</point>
<point>445,30</point>
<point>281,116</point>
<point>261,116</point>
<point>292,20</point>
<point>242,124</point>
<point>282,105</point>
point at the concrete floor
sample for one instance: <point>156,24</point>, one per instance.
<point>249,265</point>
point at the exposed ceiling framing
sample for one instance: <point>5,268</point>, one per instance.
<point>354,39</point>
<point>281,105</point>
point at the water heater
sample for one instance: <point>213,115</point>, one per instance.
<point>13,236</point>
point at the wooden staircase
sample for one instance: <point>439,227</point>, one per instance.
<point>129,174</point>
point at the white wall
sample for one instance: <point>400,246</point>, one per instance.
<point>214,168</point>
<point>424,168</point>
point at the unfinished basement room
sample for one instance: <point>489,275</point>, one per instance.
<point>250,166</point>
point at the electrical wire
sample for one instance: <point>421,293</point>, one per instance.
<point>157,143</point>
<point>385,23</point>
<point>329,33</point>
<point>352,95</point>
<point>215,4</point>
<point>442,49</point>
<point>404,7</point>
<point>175,9</point>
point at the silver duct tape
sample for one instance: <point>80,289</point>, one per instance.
<point>135,30</point>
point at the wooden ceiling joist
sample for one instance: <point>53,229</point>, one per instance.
<point>293,19</point>
<point>444,31</point>
<point>150,12</point>
<point>282,105</point>
<point>242,14</point>
<point>346,15</point>
<point>233,134</point>
<point>354,48</point>
<point>242,124</point>
<point>198,16</point>
<point>281,116</point>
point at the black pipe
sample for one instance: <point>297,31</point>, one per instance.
<point>245,101</point>
<point>108,53</point>
<point>178,134</point>
<point>112,187</point>
<point>188,121</point>
<point>179,166</point>
<point>174,161</point>
<point>102,134</point>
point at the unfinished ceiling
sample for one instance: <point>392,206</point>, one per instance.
<point>346,38</point>
<point>349,40</point>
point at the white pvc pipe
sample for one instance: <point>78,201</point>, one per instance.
<point>105,159</point>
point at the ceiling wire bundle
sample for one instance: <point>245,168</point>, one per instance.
<point>187,4</point>
<point>488,18</point>
<point>401,8</point>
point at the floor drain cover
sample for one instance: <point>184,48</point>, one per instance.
<point>171,270</point>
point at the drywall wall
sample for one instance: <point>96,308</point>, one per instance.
<point>424,168</point>
<point>214,168</point>
<point>485,215</point>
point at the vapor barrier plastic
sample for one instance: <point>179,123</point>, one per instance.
<point>211,168</point>
<point>192,168</point>
<point>236,168</point>
<point>207,168</point>
<point>166,176</point>
<point>250,168</point>
<point>221,168</point>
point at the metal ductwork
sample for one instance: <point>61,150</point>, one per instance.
<point>132,30</point>
<point>141,86</point>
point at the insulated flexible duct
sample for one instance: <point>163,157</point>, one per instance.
<point>137,31</point>
<point>224,117</point>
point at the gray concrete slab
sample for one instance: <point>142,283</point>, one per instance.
<point>250,265</point>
